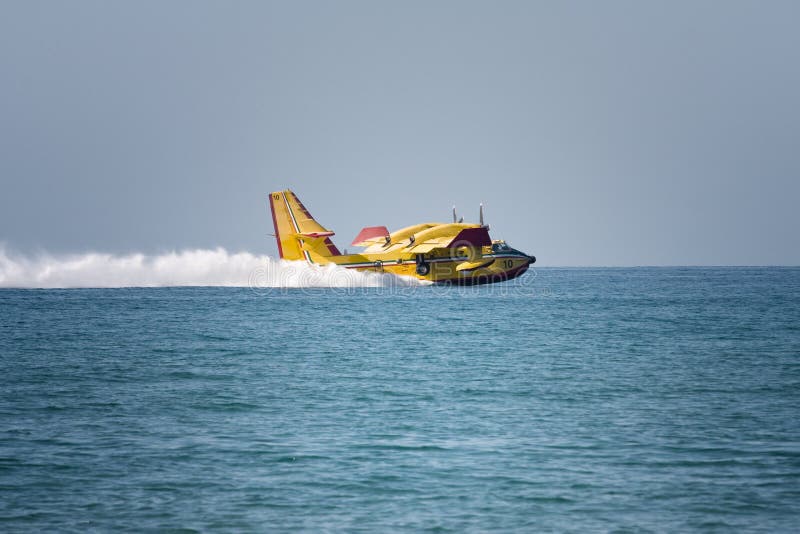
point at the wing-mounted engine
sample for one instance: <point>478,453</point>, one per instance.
<point>457,241</point>
<point>469,244</point>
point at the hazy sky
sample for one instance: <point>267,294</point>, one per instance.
<point>595,133</point>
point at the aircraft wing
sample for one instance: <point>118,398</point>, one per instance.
<point>371,235</point>
<point>468,237</point>
<point>429,245</point>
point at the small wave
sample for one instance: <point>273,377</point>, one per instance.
<point>199,267</point>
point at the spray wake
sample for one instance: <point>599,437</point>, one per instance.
<point>201,267</point>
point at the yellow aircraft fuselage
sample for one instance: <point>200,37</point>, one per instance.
<point>450,253</point>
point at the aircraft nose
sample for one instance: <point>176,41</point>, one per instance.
<point>531,260</point>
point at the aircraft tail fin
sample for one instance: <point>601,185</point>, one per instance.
<point>299,236</point>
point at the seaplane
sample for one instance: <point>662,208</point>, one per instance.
<point>443,253</point>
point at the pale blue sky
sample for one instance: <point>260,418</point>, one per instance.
<point>596,133</point>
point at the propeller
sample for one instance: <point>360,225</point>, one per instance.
<point>456,216</point>
<point>481,213</point>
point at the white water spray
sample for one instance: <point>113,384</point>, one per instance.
<point>201,267</point>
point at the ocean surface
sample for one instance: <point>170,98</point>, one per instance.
<point>648,399</point>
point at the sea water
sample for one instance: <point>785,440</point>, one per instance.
<point>652,399</point>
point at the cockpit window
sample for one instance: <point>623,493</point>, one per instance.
<point>498,247</point>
